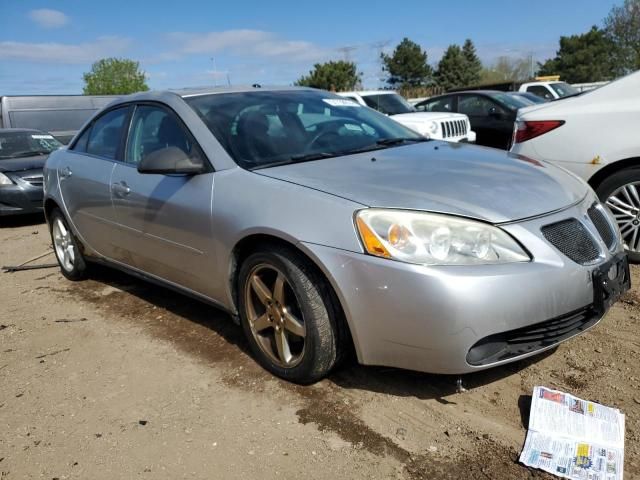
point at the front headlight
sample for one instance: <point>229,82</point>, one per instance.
<point>433,127</point>
<point>4,180</point>
<point>435,239</point>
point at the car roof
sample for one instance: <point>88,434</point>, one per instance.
<point>21,130</point>
<point>364,93</point>
<point>168,95</point>
<point>480,92</point>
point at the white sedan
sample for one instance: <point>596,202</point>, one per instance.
<point>595,135</point>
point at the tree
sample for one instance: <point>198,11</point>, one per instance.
<point>622,27</point>
<point>407,65</point>
<point>333,76</point>
<point>582,58</point>
<point>474,65</point>
<point>452,68</point>
<point>506,69</point>
<point>114,76</point>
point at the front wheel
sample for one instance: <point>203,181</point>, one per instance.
<point>65,246</point>
<point>621,193</point>
<point>287,315</point>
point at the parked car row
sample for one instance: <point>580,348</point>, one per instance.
<point>491,113</point>
<point>450,126</point>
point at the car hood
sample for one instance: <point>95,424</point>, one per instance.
<point>427,116</point>
<point>458,179</point>
<point>22,163</point>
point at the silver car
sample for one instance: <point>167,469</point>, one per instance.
<point>323,226</point>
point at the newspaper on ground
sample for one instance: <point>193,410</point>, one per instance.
<point>574,438</point>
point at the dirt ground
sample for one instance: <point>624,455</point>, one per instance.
<point>116,378</point>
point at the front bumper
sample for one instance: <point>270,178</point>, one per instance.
<point>24,196</point>
<point>431,318</point>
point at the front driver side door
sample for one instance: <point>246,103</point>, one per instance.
<point>491,122</point>
<point>168,217</point>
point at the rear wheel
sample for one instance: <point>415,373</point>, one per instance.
<point>621,193</point>
<point>65,246</point>
<point>287,315</point>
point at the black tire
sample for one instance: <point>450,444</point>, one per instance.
<point>316,302</point>
<point>77,268</point>
<point>612,183</point>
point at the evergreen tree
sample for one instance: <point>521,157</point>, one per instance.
<point>452,68</point>
<point>474,65</point>
<point>407,65</point>
<point>583,58</point>
<point>333,76</point>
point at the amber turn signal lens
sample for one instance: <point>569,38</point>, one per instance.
<point>370,240</point>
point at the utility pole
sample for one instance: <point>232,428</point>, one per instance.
<point>346,51</point>
<point>379,47</point>
<point>215,72</point>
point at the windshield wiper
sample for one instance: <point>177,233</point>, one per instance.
<point>297,159</point>
<point>400,140</point>
<point>25,153</point>
<point>313,156</point>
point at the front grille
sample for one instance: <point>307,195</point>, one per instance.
<point>514,343</point>
<point>572,239</point>
<point>602,224</point>
<point>454,128</point>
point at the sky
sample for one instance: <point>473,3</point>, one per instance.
<point>46,46</point>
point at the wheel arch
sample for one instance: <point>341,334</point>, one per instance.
<point>49,205</point>
<point>256,241</point>
<point>611,168</point>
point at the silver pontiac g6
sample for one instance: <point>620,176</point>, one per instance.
<point>323,226</point>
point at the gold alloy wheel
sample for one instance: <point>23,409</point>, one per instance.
<point>274,316</point>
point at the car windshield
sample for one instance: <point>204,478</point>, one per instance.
<point>388,103</point>
<point>26,144</point>
<point>564,89</point>
<point>511,101</point>
<point>267,128</point>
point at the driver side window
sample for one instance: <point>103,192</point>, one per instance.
<point>154,128</point>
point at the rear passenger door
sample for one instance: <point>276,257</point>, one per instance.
<point>84,173</point>
<point>166,217</point>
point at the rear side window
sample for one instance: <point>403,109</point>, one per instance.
<point>106,133</point>
<point>440,105</point>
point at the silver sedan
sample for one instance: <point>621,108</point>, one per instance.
<point>323,226</point>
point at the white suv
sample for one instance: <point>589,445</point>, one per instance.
<point>452,127</point>
<point>596,136</point>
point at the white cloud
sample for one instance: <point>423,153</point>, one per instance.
<point>245,42</point>
<point>62,52</point>
<point>48,18</point>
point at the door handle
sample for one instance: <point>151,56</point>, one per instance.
<point>65,173</point>
<point>120,189</point>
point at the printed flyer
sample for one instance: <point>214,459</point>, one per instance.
<point>574,438</point>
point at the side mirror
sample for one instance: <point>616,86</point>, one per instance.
<point>171,160</point>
